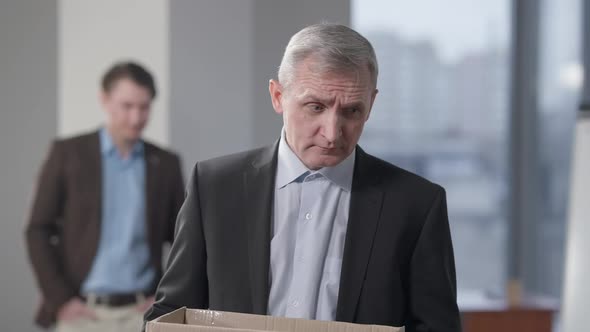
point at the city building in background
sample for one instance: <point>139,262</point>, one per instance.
<point>443,111</point>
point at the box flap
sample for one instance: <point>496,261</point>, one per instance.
<point>268,323</point>
<point>177,316</point>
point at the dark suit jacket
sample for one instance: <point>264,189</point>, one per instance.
<point>64,227</point>
<point>398,266</point>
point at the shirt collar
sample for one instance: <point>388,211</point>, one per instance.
<point>107,146</point>
<point>290,168</point>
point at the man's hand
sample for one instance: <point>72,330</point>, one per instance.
<point>145,305</point>
<point>75,309</point>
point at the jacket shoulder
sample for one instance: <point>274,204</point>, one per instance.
<point>77,141</point>
<point>166,154</point>
<point>235,162</point>
<point>391,176</point>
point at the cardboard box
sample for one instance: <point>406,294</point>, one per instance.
<point>195,320</point>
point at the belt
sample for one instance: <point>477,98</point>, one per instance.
<point>115,300</point>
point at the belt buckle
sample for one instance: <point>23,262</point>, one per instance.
<point>91,299</point>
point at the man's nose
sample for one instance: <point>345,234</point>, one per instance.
<point>332,128</point>
<point>136,115</point>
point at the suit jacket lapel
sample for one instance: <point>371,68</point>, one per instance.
<point>90,160</point>
<point>152,165</point>
<point>93,166</point>
<point>363,219</point>
<point>259,182</point>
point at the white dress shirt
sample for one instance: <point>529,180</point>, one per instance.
<point>309,230</point>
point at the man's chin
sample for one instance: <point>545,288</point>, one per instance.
<point>325,161</point>
<point>133,136</point>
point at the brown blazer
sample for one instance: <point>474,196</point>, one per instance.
<point>64,226</point>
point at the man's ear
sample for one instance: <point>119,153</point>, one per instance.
<point>276,95</point>
<point>103,98</point>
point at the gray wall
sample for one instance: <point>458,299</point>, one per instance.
<point>223,52</point>
<point>28,95</point>
<point>210,52</point>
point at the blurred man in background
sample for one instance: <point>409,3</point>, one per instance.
<point>106,202</point>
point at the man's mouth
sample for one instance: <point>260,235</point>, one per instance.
<point>329,150</point>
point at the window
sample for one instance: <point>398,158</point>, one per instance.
<point>560,81</point>
<point>442,112</point>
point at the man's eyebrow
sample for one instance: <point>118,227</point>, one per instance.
<point>306,96</point>
<point>354,104</point>
<point>311,97</point>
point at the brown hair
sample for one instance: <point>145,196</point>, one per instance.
<point>129,70</point>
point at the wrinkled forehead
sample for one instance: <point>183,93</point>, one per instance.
<point>311,78</point>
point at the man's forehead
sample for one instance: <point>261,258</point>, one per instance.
<point>329,97</point>
<point>329,84</point>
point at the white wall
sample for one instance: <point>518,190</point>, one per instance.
<point>95,34</point>
<point>577,274</point>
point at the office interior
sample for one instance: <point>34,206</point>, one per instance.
<point>482,97</point>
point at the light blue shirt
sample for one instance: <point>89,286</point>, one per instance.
<point>309,229</point>
<point>122,263</point>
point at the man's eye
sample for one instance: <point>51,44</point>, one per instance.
<point>316,107</point>
<point>354,111</point>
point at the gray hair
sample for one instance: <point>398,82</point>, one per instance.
<point>336,47</point>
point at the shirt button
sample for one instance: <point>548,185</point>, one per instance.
<point>308,216</point>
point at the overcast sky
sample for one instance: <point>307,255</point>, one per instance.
<point>456,26</point>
